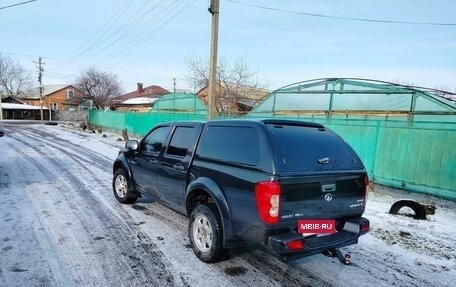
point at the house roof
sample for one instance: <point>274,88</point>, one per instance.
<point>74,101</point>
<point>243,93</point>
<point>48,89</point>
<point>140,101</point>
<point>10,106</point>
<point>150,91</point>
<point>9,99</point>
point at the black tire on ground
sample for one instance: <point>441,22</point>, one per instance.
<point>420,213</point>
<point>205,232</point>
<point>122,188</point>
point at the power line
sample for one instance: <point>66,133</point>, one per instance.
<point>112,69</point>
<point>342,18</point>
<point>100,43</point>
<point>17,4</point>
<point>119,14</point>
<point>139,35</point>
<point>130,29</point>
<point>110,46</point>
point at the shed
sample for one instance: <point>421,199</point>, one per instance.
<point>14,111</point>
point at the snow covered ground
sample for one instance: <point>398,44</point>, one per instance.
<point>61,226</point>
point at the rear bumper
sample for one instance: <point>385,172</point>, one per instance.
<point>292,245</point>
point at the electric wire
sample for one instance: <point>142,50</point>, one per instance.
<point>73,75</point>
<point>129,36</point>
<point>135,45</point>
<point>339,17</point>
<point>111,22</point>
<point>102,43</point>
<point>17,4</point>
<point>141,24</point>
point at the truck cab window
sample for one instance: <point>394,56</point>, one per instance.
<point>181,141</point>
<point>153,142</point>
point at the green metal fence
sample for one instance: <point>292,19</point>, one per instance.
<point>421,157</point>
<point>136,123</point>
<point>170,107</point>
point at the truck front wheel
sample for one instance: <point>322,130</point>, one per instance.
<point>122,189</point>
<point>206,233</point>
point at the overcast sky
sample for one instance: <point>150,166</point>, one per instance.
<point>147,40</point>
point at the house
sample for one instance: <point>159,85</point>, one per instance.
<point>77,104</point>
<point>234,99</point>
<point>56,97</point>
<point>14,109</point>
<point>140,100</point>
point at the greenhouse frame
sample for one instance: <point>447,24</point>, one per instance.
<point>344,98</point>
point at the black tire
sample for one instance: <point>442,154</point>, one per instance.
<point>205,232</point>
<point>122,188</point>
<point>420,213</point>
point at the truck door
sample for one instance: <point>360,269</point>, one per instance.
<point>173,167</point>
<point>144,164</point>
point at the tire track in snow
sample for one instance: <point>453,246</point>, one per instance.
<point>25,257</point>
<point>150,269</point>
<point>75,151</point>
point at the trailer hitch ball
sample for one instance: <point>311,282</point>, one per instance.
<point>337,253</point>
<point>347,258</point>
<point>343,259</point>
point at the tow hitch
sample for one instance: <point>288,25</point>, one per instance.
<point>344,259</point>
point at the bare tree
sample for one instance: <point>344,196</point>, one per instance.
<point>236,81</point>
<point>14,79</point>
<point>100,86</point>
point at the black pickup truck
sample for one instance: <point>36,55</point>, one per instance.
<point>249,180</point>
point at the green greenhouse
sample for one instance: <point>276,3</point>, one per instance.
<point>355,98</point>
<point>180,103</point>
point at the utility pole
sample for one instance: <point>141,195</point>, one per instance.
<point>40,81</point>
<point>1,110</point>
<point>214,9</point>
<point>174,83</point>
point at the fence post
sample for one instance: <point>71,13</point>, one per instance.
<point>377,135</point>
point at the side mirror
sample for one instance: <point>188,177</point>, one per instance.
<point>131,145</point>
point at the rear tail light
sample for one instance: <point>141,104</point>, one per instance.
<point>295,244</point>
<point>267,195</point>
<point>366,182</point>
<point>364,227</point>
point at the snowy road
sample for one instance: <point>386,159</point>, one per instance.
<point>61,226</point>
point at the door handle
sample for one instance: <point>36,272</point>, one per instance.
<point>178,167</point>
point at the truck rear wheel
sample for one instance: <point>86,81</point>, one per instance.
<point>121,187</point>
<point>206,233</point>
